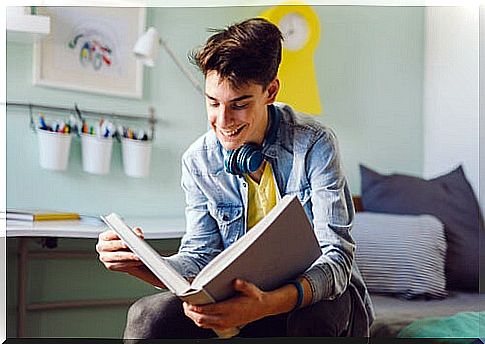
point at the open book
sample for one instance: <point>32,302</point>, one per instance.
<point>277,249</point>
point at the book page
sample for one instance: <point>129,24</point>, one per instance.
<point>151,258</point>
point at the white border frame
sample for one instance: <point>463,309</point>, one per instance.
<point>137,93</point>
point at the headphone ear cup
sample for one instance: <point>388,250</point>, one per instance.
<point>249,158</point>
<point>245,159</point>
<point>240,159</point>
<point>254,161</point>
<point>229,161</point>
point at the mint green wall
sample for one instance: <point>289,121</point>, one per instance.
<point>370,73</point>
<point>179,108</point>
<point>369,66</point>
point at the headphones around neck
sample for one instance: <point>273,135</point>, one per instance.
<point>249,157</point>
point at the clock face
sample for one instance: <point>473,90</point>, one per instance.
<point>295,30</point>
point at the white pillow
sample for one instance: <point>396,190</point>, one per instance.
<point>402,255</point>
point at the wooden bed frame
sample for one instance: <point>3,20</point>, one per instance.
<point>357,203</point>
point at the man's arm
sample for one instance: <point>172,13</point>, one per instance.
<point>333,215</point>
<point>200,244</point>
<point>202,240</point>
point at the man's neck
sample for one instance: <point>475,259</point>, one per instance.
<point>256,176</point>
<point>264,132</point>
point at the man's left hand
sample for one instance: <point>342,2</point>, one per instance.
<point>250,304</point>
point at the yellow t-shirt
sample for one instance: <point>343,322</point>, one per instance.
<point>261,197</point>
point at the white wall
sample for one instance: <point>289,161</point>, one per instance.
<point>451,86</point>
<point>482,106</point>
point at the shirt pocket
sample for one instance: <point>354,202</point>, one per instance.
<point>229,219</point>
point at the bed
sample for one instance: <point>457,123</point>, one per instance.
<point>423,278</point>
<point>394,315</point>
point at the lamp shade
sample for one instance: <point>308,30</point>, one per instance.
<point>146,50</point>
<point>148,46</point>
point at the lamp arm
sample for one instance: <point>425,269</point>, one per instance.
<point>182,67</point>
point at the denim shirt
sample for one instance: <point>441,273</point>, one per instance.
<point>305,161</point>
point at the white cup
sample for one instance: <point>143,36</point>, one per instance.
<point>96,153</point>
<point>53,149</point>
<point>136,157</point>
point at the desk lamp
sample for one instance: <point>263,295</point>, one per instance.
<point>147,47</point>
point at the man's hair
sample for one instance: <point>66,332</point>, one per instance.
<point>249,51</point>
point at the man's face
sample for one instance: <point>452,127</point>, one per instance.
<point>238,116</point>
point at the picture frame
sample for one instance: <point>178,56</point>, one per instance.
<point>90,49</point>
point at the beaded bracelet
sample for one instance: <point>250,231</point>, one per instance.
<point>299,288</point>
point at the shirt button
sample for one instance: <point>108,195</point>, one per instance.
<point>244,184</point>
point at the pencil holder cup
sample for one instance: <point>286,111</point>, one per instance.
<point>136,157</point>
<point>96,153</point>
<point>54,149</point>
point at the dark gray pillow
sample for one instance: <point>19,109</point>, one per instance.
<point>450,198</point>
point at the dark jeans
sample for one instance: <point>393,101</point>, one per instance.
<point>162,316</point>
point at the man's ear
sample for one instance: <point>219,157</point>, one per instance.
<point>272,89</point>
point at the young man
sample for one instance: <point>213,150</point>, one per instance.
<point>228,189</point>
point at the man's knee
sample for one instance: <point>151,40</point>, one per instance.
<point>327,318</point>
<point>146,317</point>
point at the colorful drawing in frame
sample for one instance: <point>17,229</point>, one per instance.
<point>89,49</point>
<point>92,51</point>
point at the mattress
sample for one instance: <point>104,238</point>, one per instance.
<point>393,314</point>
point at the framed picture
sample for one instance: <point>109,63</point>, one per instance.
<point>90,49</point>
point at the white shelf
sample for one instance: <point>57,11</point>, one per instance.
<point>27,28</point>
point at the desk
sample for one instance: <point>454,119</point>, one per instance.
<point>86,227</point>
<point>90,227</point>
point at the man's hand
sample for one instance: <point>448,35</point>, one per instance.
<point>249,305</point>
<point>116,256</point>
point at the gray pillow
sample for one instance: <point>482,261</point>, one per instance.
<point>450,198</point>
<point>403,255</point>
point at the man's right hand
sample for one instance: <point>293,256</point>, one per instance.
<point>116,256</point>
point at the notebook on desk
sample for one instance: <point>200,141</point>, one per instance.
<point>40,215</point>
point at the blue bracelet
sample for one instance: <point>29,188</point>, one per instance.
<point>299,288</point>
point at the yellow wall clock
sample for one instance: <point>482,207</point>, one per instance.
<point>301,31</point>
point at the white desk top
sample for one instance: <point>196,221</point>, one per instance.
<point>90,227</point>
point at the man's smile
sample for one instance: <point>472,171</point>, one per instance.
<point>232,133</point>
